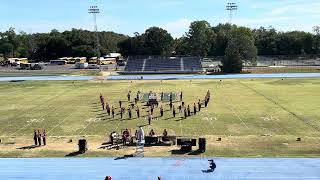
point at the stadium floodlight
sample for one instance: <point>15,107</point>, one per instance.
<point>95,10</point>
<point>231,7</point>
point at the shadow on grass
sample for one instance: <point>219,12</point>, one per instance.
<point>178,152</point>
<point>196,152</point>
<point>125,157</point>
<point>181,152</point>
<point>29,147</point>
<point>73,154</point>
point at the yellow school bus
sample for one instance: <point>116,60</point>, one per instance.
<point>93,60</point>
<point>107,61</point>
<point>69,60</point>
<point>80,59</point>
<point>18,61</point>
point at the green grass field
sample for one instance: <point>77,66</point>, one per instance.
<point>259,117</point>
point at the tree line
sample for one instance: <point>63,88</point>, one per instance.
<point>53,45</point>
<point>234,43</point>
<point>203,40</point>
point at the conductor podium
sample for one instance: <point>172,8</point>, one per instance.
<point>152,100</point>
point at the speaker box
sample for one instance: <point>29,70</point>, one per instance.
<point>194,142</point>
<point>82,145</point>
<point>202,145</point>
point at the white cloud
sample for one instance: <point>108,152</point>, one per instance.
<point>177,28</point>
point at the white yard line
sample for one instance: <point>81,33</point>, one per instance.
<point>62,121</point>
<point>46,114</point>
<point>33,109</point>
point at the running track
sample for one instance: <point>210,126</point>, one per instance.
<point>163,77</point>
<point>167,168</point>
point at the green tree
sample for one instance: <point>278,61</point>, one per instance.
<point>201,38</point>
<point>232,62</point>
<point>266,41</point>
<point>223,33</point>
<point>83,51</point>
<point>240,49</point>
<point>158,41</point>
<point>182,46</point>
<point>5,49</point>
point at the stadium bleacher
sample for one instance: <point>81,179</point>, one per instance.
<point>134,65</point>
<point>164,65</point>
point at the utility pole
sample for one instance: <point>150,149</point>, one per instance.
<point>231,7</point>
<point>95,10</point>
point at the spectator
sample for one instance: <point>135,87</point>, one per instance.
<point>152,133</point>
<point>165,133</point>
<point>161,111</point>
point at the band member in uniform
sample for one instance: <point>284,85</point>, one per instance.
<point>39,137</point>
<point>205,102</point>
<point>170,97</point>
<point>194,109</point>
<point>208,96</point>
<point>149,118</point>
<point>35,137</point>
<point>120,104</point>
<point>102,101</point>
<point>136,101</point>
<point>199,105</point>
<point>138,112</point>
<point>161,96</point>
<point>44,137</point>
<point>138,96</point>
<point>185,112</point>
<point>170,104</point>
<point>108,109</point>
<point>129,95</point>
<point>112,111</point>
<point>121,112</point>
<point>129,112</point>
<point>161,111</point>
<point>181,96</point>
<point>189,111</point>
<point>174,111</point>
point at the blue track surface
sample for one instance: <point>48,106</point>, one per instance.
<point>48,78</point>
<point>229,76</point>
<point>167,168</point>
<point>163,77</point>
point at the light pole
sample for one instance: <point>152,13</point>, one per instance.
<point>231,7</point>
<point>95,10</point>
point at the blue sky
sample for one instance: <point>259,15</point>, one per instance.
<point>129,16</point>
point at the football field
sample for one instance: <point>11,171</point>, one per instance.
<point>254,117</point>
